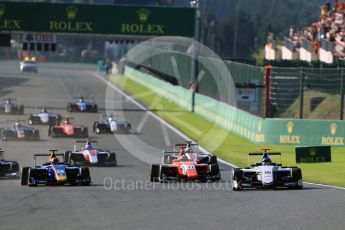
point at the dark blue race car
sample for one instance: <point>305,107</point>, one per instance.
<point>8,169</point>
<point>54,172</point>
<point>82,105</point>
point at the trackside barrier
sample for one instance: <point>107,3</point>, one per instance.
<point>224,115</point>
<point>258,130</point>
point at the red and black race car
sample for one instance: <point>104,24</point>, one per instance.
<point>186,163</point>
<point>67,129</point>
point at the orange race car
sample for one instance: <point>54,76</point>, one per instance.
<point>186,163</point>
<point>67,129</point>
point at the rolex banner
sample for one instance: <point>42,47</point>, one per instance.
<point>304,132</point>
<point>313,154</point>
<point>97,19</point>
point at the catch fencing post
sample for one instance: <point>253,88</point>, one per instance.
<point>342,94</point>
<point>301,92</point>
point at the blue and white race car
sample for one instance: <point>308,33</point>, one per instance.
<point>82,105</point>
<point>266,174</point>
<point>111,124</point>
<point>8,107</point>
<point>44,118</point>
<point>54,172</point>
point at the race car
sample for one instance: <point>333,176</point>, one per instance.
<point>266,174</point>
<point>185,163</point>
<point>8,107</point>
<point>8,169</point>
<point>81,105</point>
<point>19,132</point>
<point>90,155</point>
<point>111,125</point>
<point>54,172</point>
<point>44,118</point>
<point>68,129</point>
<point>28,65</point>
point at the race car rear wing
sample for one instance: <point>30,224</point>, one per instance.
<point>170,152</point>
<point>265,154</point>
<point>46,155</point>
<point>261,153</point>
<point>84,141</point>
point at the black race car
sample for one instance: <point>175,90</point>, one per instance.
<point>19,132</point>
<point>82,105</point>
<point>44,118</point>
<point>8,107</point>
<point>8,169</point>
<point>111,125</point>
<point>54,172</point>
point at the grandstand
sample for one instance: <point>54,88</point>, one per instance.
<point>322,40</point>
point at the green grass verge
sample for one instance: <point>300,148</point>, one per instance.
<point>233,148</point>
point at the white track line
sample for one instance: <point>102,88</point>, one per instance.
<point>129,98</point>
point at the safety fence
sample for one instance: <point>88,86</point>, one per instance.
<point>307,93</point>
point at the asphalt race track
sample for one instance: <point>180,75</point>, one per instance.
<point>122,197</point>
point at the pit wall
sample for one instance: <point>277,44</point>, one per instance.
<point>253,128</point>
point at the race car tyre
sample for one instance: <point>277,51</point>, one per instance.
<point>154,173</point>
<point>167,159</point>
<point>214,171</point>
<point>170,159</point>
<point>34,120</point>
<point>66,157</point>
<point>166,172</point>
<point>213,160</point>
<point>7,135</point>
<point>32,175</point>
<point>25,176</point>
<point>54,121</point>
<point>84,133</point>
<point>69,107</point>
<point>112,158</point>
<point>94,108</point>
<point>21,109</point>
<point>237,176</point>
<point>36,135</point>
<point>296,175</point>
<point>56,132</point>
<point>94,127</point>
<point>76,158</point>
<point>85,176</point>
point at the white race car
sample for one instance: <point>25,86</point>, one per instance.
<point>44,118</point>
<point>266,174</point>
<point>28,65</point>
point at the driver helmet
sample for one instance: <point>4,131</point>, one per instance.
<point>17,123</point>
<point>81,99</point>
<point>182,151</point>
<point>66,121</point>
<point>54,160</point>
<point>44,110</point>
<point>8,101</point>
<point>88,144</point>
<point>266,161</point>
